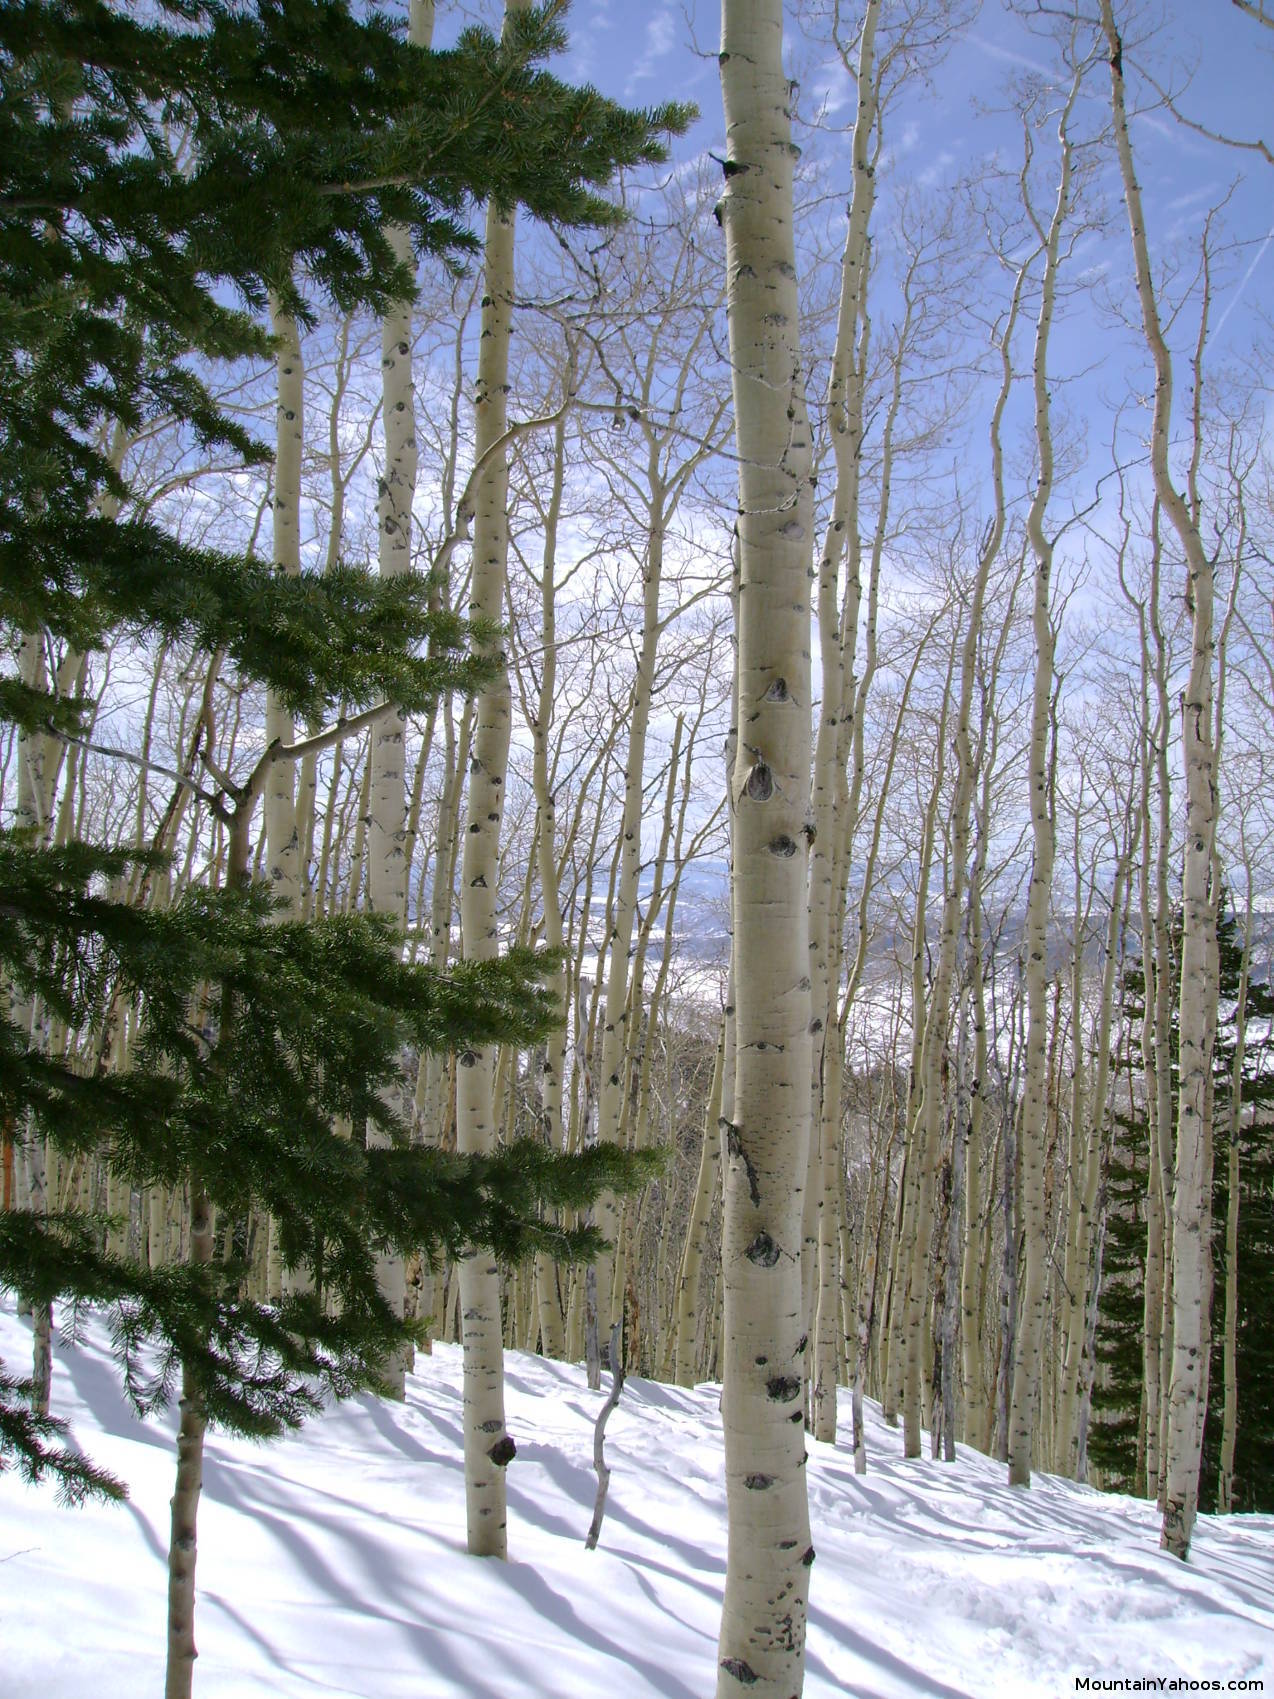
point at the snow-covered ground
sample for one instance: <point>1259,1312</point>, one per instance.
<point>333,1563</point>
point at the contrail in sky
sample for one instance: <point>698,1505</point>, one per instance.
<point>1247,278</point>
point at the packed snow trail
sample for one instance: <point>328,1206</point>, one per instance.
<point>333,1562</point>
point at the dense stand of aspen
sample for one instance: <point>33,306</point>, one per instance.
<point>912,984</point>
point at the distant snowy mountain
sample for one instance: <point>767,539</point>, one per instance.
<point>333,1563</point>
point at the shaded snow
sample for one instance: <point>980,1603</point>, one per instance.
<point>333,1562</point>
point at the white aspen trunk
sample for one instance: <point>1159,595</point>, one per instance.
<point>1029,1343</point>
<point>1192,1176</point>
<point>33,814</point>
<point>838,637</point>
<point>923,1132</point>
<point>283,862</point>
<point>552,1333</point>
<point>1080,1274</point>
<point>637,1112</point>
<point>937,1021</point>
<point>863,1320</point>
<point>280,829</point>
<point>1159,995</point>
<point>762,1645</point>
<point>435,1069</point>
<point>697,1232</point>
<point>1154,1214</point>
<point>386,779</point>
<point>621,988</point>
<point>182,1548</point>
<point>488,1449</point>
<point>827,1310</point>
<point>1230,1337</point>
<point>979,1387</point>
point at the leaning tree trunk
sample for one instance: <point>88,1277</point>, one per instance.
<point>762,1645</point>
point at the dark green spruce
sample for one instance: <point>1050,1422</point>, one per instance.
<point>129,278</point>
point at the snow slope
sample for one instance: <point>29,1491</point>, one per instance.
<point>333,1563</point>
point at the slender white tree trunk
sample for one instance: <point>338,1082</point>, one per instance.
<point>182,1549</point>
<point>619,1023</point>
<point>1192,1177</point>
<point>283,867</point>
<point>1230,1344</point>
<point>1032,1138</point>
<point>838,637</point>
<point>553,1067</point>
<point>488,1449</point>
<point>386,781</point>
<point>762,1644</point>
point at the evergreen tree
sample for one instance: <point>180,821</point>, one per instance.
<point>1254,1367</point>
<point>1114,1434</point>
<point>1114,1439</point>
<point>127,261</point>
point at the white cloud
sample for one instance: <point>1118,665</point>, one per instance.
<point>661,38</point>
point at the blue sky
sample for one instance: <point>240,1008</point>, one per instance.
<point>1221,60</point>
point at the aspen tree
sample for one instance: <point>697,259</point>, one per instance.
<point>282,843</point>
<point>1153,931</point>
<point>1088,1138</point>
<point>865,1317</point>
<point>1028,1355</point>
<point>911,1279</point>
<point>488,1449</point>
<point>552,1068</point>
<point>1235,1104</point>
<point>1157,1030</point>
<point>386,859</point>
<point>762,1644</point>
<point>1230,1391</point>
<point>655,490</point>
<point>1191,1178</point>
<point>687,1303</point>
<point>838,639</point>
<point>32,816</point>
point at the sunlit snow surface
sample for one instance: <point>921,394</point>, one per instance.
<point>334,1562</point>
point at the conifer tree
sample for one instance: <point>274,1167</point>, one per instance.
<point>1117,1440</point>
<point>308,132</point>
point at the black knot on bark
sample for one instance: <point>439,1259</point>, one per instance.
<point>740,1669</point>
<point>760,785</point>
<point>808,1556</point>
<point>733,168</point>
<point>762,1251</point>
<point>503,1452</point>
<point>783,1387</point>
<point>783,845</point>
<point>758,1483</point>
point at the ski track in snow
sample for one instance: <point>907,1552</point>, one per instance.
<point>333,1562</point>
